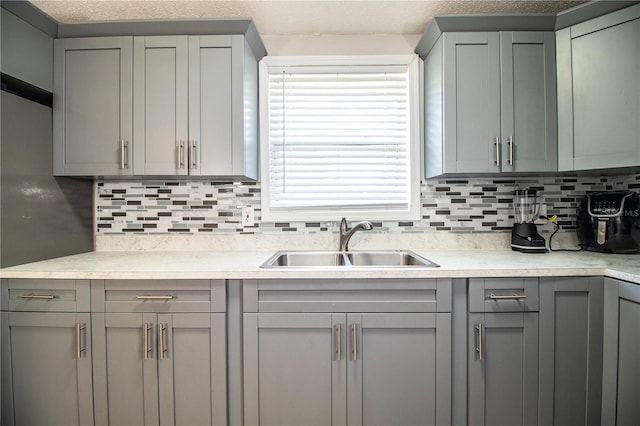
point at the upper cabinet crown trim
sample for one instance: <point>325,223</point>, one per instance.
<point>221,26</point>
<point>515,22</point>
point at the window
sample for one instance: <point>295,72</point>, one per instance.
<point>340,137</point>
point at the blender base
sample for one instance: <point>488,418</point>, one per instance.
<point>525,239</point>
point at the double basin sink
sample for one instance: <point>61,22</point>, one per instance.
<point>348,259</point>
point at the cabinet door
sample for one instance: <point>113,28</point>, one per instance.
<point>192,369</point>
<point>92,120</point>
<point>503,369</point>
<point>125,369</point>
<point>571,315</point>
<point>399,369</point>
<point>213,60</point>
<point>471,102</point>
<point>295,369</point>
<point>599,92</point>
<point>528,101</point>
<point>46,369</point>
<point>160,105</point>
<point>621,363</point>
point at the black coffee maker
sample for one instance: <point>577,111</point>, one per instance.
<point>524,235</point>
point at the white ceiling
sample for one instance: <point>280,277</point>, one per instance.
<point>297,17</point>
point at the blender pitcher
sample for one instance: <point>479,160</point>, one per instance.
<point>524,235</point>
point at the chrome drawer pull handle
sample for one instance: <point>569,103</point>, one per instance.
<point>354,341</point>
<point>339,342</point>
<point>38,296</point>
<point>510,142</point>
<point>479,340</point>
<point>80,331</point>
<point>507,297</point>
<point>145,337</point>
<point>153,297</point>
<point>162,350</point>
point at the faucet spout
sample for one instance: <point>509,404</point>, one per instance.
<point>346,234</point>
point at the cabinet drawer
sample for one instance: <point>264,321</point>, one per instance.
<point>503,294</point>
<point>158,296</point>
<point>36,295</point>
<point>347,295</point>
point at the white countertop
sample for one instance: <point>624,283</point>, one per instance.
<point>246,265</point>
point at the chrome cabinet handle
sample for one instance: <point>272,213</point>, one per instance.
<point>510,143</point>
<point>147,348</point>
<point>339,342</point>
<point>154,297</point>
<point>192,155</point>
<point>162,350</point>
<point>81,331</point>
<point>507,297</point>
<point>38,296</point>
<point>479,340</point>
<point>180,147</point>
<point>497,146</point>
<point>354,341</point>
<point>124,145</point>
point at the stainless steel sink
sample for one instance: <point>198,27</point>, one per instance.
<point>350,259</point>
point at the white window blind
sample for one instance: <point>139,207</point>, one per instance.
<point>339,138</point>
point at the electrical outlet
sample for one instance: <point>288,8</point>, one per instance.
<point>247,216</point>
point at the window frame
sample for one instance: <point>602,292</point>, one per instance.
<point>412,62</point>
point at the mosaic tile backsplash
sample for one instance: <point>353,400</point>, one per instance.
<point>457,205</point>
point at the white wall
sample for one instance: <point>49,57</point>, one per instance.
<point>319,45</point>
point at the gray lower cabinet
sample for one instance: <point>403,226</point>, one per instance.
<point>599,92</point>
<point>503,352</point>
<point>490,103</point>
<point>159,351</point>
<point>621,363</point>
<point>92,109</point>
<point>571,321</point>
<point>347,368</point>
<point>46,353</point>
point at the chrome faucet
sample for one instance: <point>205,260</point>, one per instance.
<point>346,234</point>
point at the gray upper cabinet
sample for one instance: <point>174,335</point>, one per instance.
<point>156,106</point>
<point>599,92</point>
<point>193,103</point>
<point>528,102</point>
<point>621,358</point>
<point>161,110</point>
<point>490,103</point>
<point>46,353</point>
<point>92,121</point>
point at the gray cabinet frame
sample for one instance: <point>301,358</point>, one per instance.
<point>571,321</point>
<point>92,109</point>
<point>490,103</point>
<point>300,319</point>
<point>184,384</point>
<point>502,351</point>
<point>621,357</point>
<point>599,92</point>
<point>46,352</point>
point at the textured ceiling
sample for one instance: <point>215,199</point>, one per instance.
<point>297,17</point>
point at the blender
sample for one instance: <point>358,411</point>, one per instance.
<point>524,235</point>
